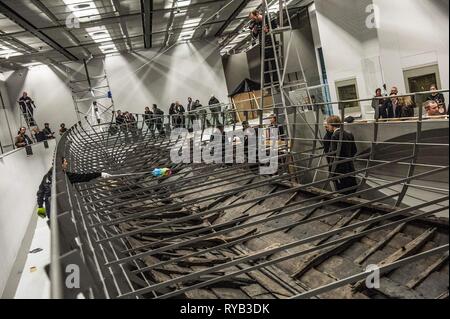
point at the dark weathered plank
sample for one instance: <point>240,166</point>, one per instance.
<point>414,282</point>
<point>379,245</point>
<point>403,252</point>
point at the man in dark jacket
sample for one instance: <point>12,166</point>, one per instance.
<point>327,142</point>
<point>45,188</point>
<point>39,135</point>
<point>438,98</point>
<point>43,195</point>
<point>344,150</point>
<point>158,116</point>
<point>387,111</point>
<point>214,106</point>
<point>27,107</point>
<point>120,118</point>
<point>179,111</point>
<point>148,119</point>
<point>256,27</point>
<point>378,105</point>
<point>48,131</point>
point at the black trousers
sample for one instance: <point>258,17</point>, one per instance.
<point>346,182</point>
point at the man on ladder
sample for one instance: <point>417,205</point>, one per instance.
<point>256,27</point>
<point>26,106</point>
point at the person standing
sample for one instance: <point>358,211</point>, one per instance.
<point>327,143</point>
<point>158,116</point>
<point>173,114</point>
<point>48,131</point>
<point>148,119</point>
<point>62,129</point>
<point>39,135</point>
<point>256,28</point>
<point>190,110</point>
<point>27,107</point>
<point>390,105</point>
<point>120,119</point>
<point>214,105</point>
<point>377,105</point>
<point>179,111</point>
<point>343,149</point>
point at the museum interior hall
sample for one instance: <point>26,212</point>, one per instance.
<point>224,149</point>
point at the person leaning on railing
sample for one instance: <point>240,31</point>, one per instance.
<point>431,108</point>
<point>22,139</point>
<point>439,99</point>
<point>39,135</point>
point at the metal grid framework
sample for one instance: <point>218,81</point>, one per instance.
<point>223,231</point>
<point>49,31</point>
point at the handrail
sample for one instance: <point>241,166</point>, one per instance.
<point>18,149</point>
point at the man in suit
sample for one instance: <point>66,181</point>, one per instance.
<point>343,149</point>
<point>387,111</point>
<point>158,116</point>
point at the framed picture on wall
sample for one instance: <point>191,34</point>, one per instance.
<point>348,90</point>
<point>420,79</point>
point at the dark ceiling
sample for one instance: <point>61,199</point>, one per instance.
<point>57,31</point>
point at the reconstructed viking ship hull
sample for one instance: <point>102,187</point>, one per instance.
<point>224,231</point>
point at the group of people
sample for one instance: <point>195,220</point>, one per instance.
<point>23,139</point>
<point>394,106</point>
<point>185,117</point>
<point>27,107</point>
<point>179,116</point>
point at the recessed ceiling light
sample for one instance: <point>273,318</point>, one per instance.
<point>82,6</point>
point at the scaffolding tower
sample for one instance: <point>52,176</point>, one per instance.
<point>91,92</point>
<point>276,44</point>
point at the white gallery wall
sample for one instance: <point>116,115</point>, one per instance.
<point>21,176</point>
<point>136,80</point>
<point>413,34</point>
<point>48,87</point>
<point>8,122</point>
<point>410,34</point>
<point>192,69</point>
<point>350,49</point>
<point>236,69</point>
